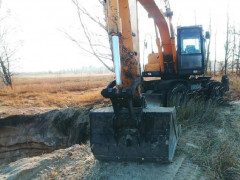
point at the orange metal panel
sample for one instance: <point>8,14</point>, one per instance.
<point>161,61</point>
<point>174,54</point>
<point>112,13</point>
<point>153,58</point>
<point>129,60</point>
<point>152,67</point>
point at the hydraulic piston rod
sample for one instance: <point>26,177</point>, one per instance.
<point>116,59</point>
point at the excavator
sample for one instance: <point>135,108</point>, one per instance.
<point>141,125</point>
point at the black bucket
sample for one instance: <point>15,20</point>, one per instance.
<point>153,139</point>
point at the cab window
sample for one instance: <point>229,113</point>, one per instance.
<point>190,42</point>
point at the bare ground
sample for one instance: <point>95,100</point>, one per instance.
<point>77,162</point>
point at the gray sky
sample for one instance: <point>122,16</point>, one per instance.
<point>35,25</point>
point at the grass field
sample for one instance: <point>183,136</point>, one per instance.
<point>60,91</point>
<point>68,90</point>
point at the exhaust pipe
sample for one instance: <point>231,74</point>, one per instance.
<point>116,59</point>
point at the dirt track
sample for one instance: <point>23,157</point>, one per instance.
<point>77,162</point>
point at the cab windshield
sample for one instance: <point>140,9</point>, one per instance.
<point>190,42</point>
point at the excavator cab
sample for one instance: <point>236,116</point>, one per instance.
<point>191,50</point>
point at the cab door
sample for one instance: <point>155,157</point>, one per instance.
<point>190,51</point>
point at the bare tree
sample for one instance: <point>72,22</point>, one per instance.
<point>5,56</point>
<point>227,46</point>
<point>5,72</point>
<point>222,66</point>
<point>208,48</point>
<point>6,59</point>
<point>210,67</point>
<point>95,40</point>
<point>215,59</point>
<point>238,57</point>
<point>233,48</point>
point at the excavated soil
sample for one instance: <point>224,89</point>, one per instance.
<point>77,161</point>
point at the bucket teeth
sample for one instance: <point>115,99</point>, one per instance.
<point>153,139</point>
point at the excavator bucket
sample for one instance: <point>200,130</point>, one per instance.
<point>152,137</point>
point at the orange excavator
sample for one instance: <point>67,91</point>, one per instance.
<point>141,125</point>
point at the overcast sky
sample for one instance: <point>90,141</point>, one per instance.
<point>34,26</point>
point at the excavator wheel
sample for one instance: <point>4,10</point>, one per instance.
<point>177,96</point>
<point>152,137</point>
<point>216,92</point>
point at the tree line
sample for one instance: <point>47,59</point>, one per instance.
<point>230,63</point>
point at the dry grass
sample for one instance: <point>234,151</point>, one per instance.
<point>214,139</point>
<point>234,81</point>
<point>60,91</point>
<point>197,110</point>
<point>71,90</point>
<point>235,85</point>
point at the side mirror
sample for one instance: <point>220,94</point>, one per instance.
<point>207,35</point>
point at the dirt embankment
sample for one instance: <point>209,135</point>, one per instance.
<point>77,162</point>
<point>31,135</point>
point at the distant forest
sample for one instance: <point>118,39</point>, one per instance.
<point>82,70</point>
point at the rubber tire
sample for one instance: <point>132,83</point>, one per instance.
<point>178,88</point>
<point>216,92</point>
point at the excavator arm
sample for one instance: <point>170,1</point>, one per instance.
<point>167,56</point>
<point>122,25</point>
